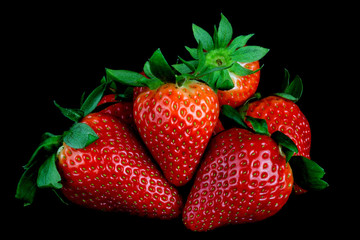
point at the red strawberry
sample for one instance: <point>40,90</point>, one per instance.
<point>283,115</point>
<point>241,74</point>
<point>175,117</point>
<point>121,109</point>
<point>244,178</point>
<point>176,124</point>
<point>115,173</point>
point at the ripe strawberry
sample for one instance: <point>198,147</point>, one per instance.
<point>175,116</point>
<point>176,124</point>
<point>283,115</point>
<point>243,178</point>
<point>115,173</point>
<point>241,75</point>
<point>122,110</point>
<point>100,164</point>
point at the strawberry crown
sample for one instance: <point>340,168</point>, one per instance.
<point>221,50</point>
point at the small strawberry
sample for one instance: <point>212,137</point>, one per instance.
<point>282,114</point>
<point>175,117</point>
<point>123,110</point>
<point>243,178</point>
<point>241,77</point>
<point>99,164</point>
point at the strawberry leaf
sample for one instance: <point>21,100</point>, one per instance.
<point>203,36</point>
<point>80,135</point>
<point>48,176</point>
<point>249,54</point>
<point>71,113</point>
<point>93,99</point>
<point>288,147</point>
<point>259,125</point>
<point>231,113</point>
<point>225,32</point>
<point>160,68</point>
<point>307,173</point>
<point>239,42</point>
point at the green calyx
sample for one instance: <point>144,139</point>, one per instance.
<point>41,171</point>
<point>291,90</point>
<point>222,50</point>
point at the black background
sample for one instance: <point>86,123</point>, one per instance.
<point>55,52</point>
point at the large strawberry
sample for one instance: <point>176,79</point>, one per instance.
<point>175,117</point>
<point>242,74</point>
<point>244,178</point>
<point>101,165</point>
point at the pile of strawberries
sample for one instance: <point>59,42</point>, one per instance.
<point>139,137</point>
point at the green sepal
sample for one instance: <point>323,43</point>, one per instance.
<point>288,147</point>
<point>183,68</point>
<point>48,175</point>
<point>80,135</point>
<point>224,82</point>
<point>259,125</point>
<point>291,90</point>
<point>125,77</point>
<point>249,54</point>
<point>308,174</point>
<point>160,67</point>
<point>231,113</point>
<point>93,99</point>
<point>224,32</point>
<point>239,42</point>
<point>27,185</point>
<point>241,71</point>
<point>203,36</point>
<point>71,113</point>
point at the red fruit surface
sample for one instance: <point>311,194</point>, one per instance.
<point>285,116</point>
<point>242,179</point>
<point>121,109</point>
<point>114,173</point>
<point>176,124</point>
<point>244,87</point>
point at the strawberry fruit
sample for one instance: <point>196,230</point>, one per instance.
<point>100,164</point>
<point>244,178</point>
<point>175,117</point>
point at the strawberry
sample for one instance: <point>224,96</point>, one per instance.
<point>115,173</point>
<point>241,75</point>
<point>176,124</point>
<point>282,114</point>
<point>175,116</point>
<point>244,178</point>
<point>100,164</point>
<point>123,110</point>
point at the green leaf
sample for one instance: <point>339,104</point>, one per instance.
<point>193,52</point>
<point>259,125</point>
<point>241,71</point>
<point>231,113</point>
<point>160,68</point>
<point>93,99</point>
<point>203,36</point>
<point>239,42</point>
<point>224,82</point>
<point>71,113</point>
<point>286,81</point>
<point>125,77</point>
<point>202,60</point>
<point>308,174</point>
<point>288,146</point>
<point>225,32</point>
<point>185,68</point>
<point>147,70</point>
<point>249,54</point>
<point>295,88</point>
<point>80,135</point>
<point>27,185</point>
<point>48,176</point>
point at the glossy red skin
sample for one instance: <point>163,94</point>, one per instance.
<point>176,124</point>
<point>244,87</point>
<point>121,110</point>
<point>285,116</point>
<point>242,179</point>
<point>115,173</point>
